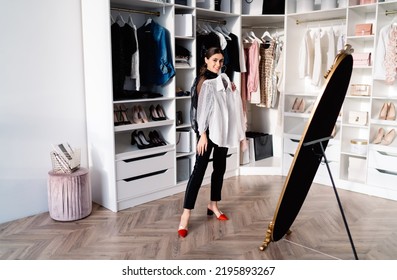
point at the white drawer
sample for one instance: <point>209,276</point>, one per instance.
<point>332,151</point>
<point>145,184</point>
<point>287,161</point>
<point>322,170</point>
<point>143,165</point>
<point>382,160</point>
<point>382,178</point>
<point>290,145</point>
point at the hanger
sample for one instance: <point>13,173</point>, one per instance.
<point>266,36</point>
<point>253,36</point>
<point>120,18</point>
<point>219,29</point>
<point>248,37</point>
<point>148,21</point>
<point>210,28</point>
<point>112,19</point>
<point>130,22</point>
<point>200,29</point>
<point>224,28</point>
<point>207,28</point>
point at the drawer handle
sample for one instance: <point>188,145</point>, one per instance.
<point>295,140</point>
<point>387,154</point>
<point>386,172</point>
<point>145,175</point>
<point>144,157</point>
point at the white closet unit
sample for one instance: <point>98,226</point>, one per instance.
<point>122,174</point>
<point>259,119</point>
<point>369,168</point>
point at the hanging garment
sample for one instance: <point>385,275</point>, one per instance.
<point>331,49</point>
<point>155,50</point>
<point>135,62</point>
<point>391,56</point>
<point>306,56</point>
<point>380,54</point>
<point>268,79</point>
<point>124,46</point>
<point>219,110</point>
<point>253,69</point>
<point>232,49</point>
<point>318,62</point>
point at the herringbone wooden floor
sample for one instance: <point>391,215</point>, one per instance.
<point>149,231</point>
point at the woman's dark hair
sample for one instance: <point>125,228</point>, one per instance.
<point>210,52</point>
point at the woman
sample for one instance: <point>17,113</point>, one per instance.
<point>213,117</point>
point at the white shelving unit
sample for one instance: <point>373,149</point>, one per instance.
<point>367,172</point>
<point>123,175</point>
<point>109,147</point>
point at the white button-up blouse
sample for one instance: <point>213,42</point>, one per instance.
<point>220,110</point>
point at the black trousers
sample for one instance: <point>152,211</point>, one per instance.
<point>197,176</point>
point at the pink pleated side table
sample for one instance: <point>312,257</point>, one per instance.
<point>69,195</point>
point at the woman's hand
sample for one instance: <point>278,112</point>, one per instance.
<point>202,144</point>
<point>233,87</point>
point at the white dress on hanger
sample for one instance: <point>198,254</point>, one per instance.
<point>379,61</point>
<point>318,69</point>
<point>306,56</point>
<point>331,51</point>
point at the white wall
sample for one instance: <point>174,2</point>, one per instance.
<point>41,97</point>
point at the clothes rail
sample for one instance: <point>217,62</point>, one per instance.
<point>327,19</point>
<point>220,21</point>
<point>261,27</point>
<point>136,11</point>
<point>390,12</point>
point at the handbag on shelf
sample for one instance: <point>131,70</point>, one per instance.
<point>363,29</point>
<point>361,59</point>
<point>358,117</point>
<point>179,118</point>
<point>360,89</point>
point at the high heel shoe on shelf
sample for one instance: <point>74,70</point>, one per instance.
<point>389,137</point>
<point>123,111</point>
<point>140,140</point>
<point>379,136</point>
<point>182,231</point>
<point>142,114</point>
<point>387,112</point>
<point>160,112</point>
<point>391,112</point>
<point>155,139</point>
<point>221,217</point>
<point>383,112</point>
<point>153,113</point>
<point>136,118</point>
<point>298,106</point>
<point>118,119</point>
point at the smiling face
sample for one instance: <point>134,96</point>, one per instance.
<point>215,63</point>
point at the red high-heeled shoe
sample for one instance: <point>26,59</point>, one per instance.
<point>221,217</point>
<point>182,231</point>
